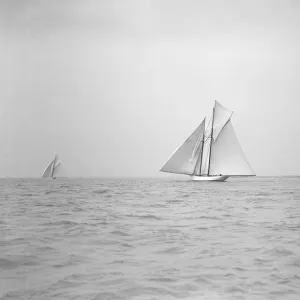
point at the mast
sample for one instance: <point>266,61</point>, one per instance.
<point>201,157</point>
<point>211,138</point>
<point>53,165</point>
<point>201,154</point>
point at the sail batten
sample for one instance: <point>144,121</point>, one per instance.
<point>185,158</point>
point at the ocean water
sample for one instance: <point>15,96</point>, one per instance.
<point>150,239</point>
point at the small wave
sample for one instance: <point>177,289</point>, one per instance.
<point>118,232</point>
<point>69,261</point>
<point>172,250</point>
<point>240,269</point>
<point>62,284</point>
<point>295,263</point>
<point>16,241</point>
<point>45,248</point>
<point>209,218</point>
<point>105,295</point>
<point>207,295</point>
<point>19,294</point>
<point>162,279</point>
<point>119,261</point>
<point>127,245</point>
<point>153,204</point>
<point>259,283</point>
<point>227,215</point>
<point>235,289</point>
<point>279,251</point>
<point>262,261</point>
<point>186,195</point>
<point>7,264</point>
<point>201,279</point>
<point>262,194</point>
<point>100,191</point>
<point>91,224</point>
<point>65,186</point>
<point>46,204</point>
<point>52,192</point>
<point>293,227</point>
<point>149,217</point>
<point>63,222</point>
<point>174,201</point>
<point>27,195</point>
<point>18,260</point>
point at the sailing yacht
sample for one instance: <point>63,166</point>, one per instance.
<point>212,152</point>
<point>52,168</point>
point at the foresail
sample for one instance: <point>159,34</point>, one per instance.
<point>206,149</point>
<point>205,157</point>
<point>227,157</point>
<point>56,168</point>
<point>221,116</point>
<point>185,158</point>
<point>47,172</point>
<point>57,164</point>
<point>197,158</point>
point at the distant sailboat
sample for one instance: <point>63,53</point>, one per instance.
<point>212,152</point>
<point>52,168</point>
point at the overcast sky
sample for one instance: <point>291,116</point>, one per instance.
<point>114,86</point>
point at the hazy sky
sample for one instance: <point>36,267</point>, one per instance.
<point>114,86</point>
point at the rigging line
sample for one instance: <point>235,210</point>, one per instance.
<point>212,137</point>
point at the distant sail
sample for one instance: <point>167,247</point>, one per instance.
<point>227,156</point>
<point>47,172</point>
<point>56,165</point>
<point>56,168</point>
<point>51,169</point>
<point>185,158</point>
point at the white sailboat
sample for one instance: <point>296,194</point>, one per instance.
<point>52,168</point>
<point>212,152</point>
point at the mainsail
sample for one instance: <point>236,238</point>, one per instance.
<point>211,151</point>
<point>227,156</point>
<point>50,170</point>
<point>187,158</point>
<point>206,149</point>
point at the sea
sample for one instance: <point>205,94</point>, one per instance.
<point>75,238</point>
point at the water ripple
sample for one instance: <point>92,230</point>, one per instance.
<point>149,239</point>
